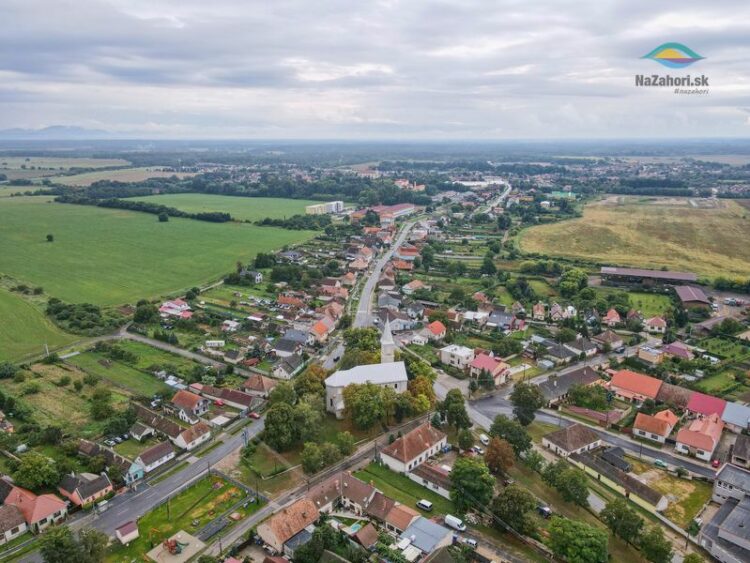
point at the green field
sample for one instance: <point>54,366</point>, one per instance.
<point>649,304</point>
<point>120,175</point>
<point>150,357</point>
<point>112,256</point>
<point>24,330</point>
<point>124,376</point>
<point>57,163</point>
<point>726,349</point>
<point>241,208</point>
<point>706,238</point>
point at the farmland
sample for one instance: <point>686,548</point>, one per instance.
<point>29,330</point>
<point>119,175</point>
<point>241,208</point>
<point>652,233</point>
<point>121,375</point>
<point>27,168</point>
<point>110,256</point>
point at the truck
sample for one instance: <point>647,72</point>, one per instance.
<point>455,523</point>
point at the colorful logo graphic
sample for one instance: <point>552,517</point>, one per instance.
<point>673,55</point>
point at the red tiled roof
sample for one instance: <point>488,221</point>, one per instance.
<point>401,516</point>
<point>436,327</point>
<point>185,399</point>
<point>652,425</point>
<point>635,383</point>
<point>701,403</point>
<point>483,361</point>
<point>412,444</point>
<point>703,433</point>
<point>33,507</point>
<point>292,520</point>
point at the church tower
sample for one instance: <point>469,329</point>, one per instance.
<point>387,344</point>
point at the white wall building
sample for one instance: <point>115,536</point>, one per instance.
<point>457,356</point>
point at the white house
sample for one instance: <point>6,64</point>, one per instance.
<point>192,437</point>
<point>12,523</point>
<point>433,477</point>
<point>155,456</point>
<point>574,439</point>
<point>457,356</point>
<point>413,448</point>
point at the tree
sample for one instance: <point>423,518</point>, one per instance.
<point>346,442</point>
<point>50,238</point>
<point>471,484</point>
<point>307,418</point>
<point>693,558</point>
<point>311,381</point>
<point>534,460</point>
<point>577,542</point>
<point>36,471</point>
<point>622,520</point>
<point>511,431</point>
<point>573,487</point>
<point>527,398</point>
<point>101,403</point>
<point>465,439</point>
<point>146,313</point>
<point>655,547</point>
<point>488,266</point>
<point>368,403</point>
<point>92,546</point>
<point>500,456</point>
<point>283,393</point>
<point>453,408</point>
<point>514,506</point>
<point>7,370</point>
<point>163,218</point>
<point>60,545</point>
<point>280,431</point>
<point>566,335</point>
<point>312,458</point>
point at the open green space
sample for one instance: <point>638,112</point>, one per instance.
<point>241,208</point>
<point>651,233</point>
<point>119,175</point>
<point>25,330</point>
<point>150,358</point>
<point>122,375</point>
<point>403,489</point>
<point>726,349</point>
<point>57,162</point>
<point>649,304</point>
<point>190,511</point>
<point>112,256</point>
<point>132,448</point>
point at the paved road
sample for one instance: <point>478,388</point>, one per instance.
<point>363,319</point>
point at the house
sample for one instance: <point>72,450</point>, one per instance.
<point>457,356</point>
<point>436,330</point>
<point>12,524</point>
<point>320,331</point>
<point>498,369</point>
<point>379,507</point>
<point>624,483</point>
<point>692,297</point>
<point>741,451</point>
<point>223,395</point>
<point>576,438</point>
<point>291,256</point>
<point>702,404</point>
<point>389,300</point>
<point>284,347</point>
<point>433,477</point>
<point>413,448</point>
<point>131,472</point>
<point>38,511</point>
<point>367,536</point>
<point>252,275</point>
<point>192,437</point>
<point>127,533</point>
<point>503,320</point>
<point>655,325</point>
<point>176,308</point>
<point>187,406</point>
<point>736,417</point>
<point>678,350</point>
<point>558,353</point>
<point>287,523</point>
<point>287,300</point>
<point>556,312</point>
<point>140,431</point>
<point>582,346</point>
<point>650,355</point>
<point>427,536</point>
<point>400,517</point>
<point>539,311</point>
<point>731,482</point>
<point>342,489</point>
<point>85,488</point>
<point>608,340</point>
<point>230,326</point>
<point>414,285</point>
<point>155,456</point>
<point>555,388</point>
<point>403,265</point>
<point>700,438</point>
<point>391,374</point>
<point>258,385</point>
<point>612,318</point>
<point>397,320</point>
<point>725,536</point>
<point>616,456</point>
<point>634,387</point>
<point>657,427</point>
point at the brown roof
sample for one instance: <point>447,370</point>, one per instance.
<point>185,400</point>
<point>367,536</point>
<point>194,432</point>
<point>651,424</point>
<point>573,437</point>
<point>326,492</point>
<point>434,475</point>
<point>674,395</point>
<point>342,484</point>
<point>608,337</point>
<point>401,516</point>
<point>291,520</point>
<point>11,517</point>
<point>627,481</point>
<point>156,452</point>
<point>655,274</point>
<point>380,506</point>
<point>690,294</point>
<point>411,445</point>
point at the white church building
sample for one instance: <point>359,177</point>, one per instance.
<point>387,373</point>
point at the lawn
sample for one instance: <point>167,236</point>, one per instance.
<point>119,175</point>
<point>122,375</point>
<point>112,256</point>
<point>403,489</point>
<point>132,448</point>
<point>57,163</point>
<point>241,208</point>
<point>24,329</point>
<point>651,234</point>
<point>60,405</point>
<point>149,357</point>
<point>538,429</point>
<point>726,349</point>
<point>686,497</point>
<point>650,304</point>
<point>715,383</point>
<point>199,505</point>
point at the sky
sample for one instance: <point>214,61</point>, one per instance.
<point>371,69</point>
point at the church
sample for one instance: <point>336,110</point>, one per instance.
<point>387,373</point>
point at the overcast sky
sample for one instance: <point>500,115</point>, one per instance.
<point>365,69</point>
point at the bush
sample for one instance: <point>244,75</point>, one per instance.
<point>31,389</point>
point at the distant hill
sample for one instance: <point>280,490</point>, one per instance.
<point>57,132</point>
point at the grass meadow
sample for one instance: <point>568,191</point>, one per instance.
<point>119,175</point>
<point>710,240</point>
<point>113,256</point>
<point>241,208</point>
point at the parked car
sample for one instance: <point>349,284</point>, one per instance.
<point>424,505</point>
<point>544,511</point>
<point>109,443</point>
<point>455,523</point>
<point>117,439</point>
<point>660,463</point>
<point>715,463</point>
<point>471,542</point>
<point>254,415</point>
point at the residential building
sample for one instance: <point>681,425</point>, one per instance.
<point>38,511</point>
<point>287,368</point>
<point>736,417</point>
<point>650,355</point>
<point>252,275</point>
<point>413,448</point>
<point>131,472</point>
<point>400,517</point>
<point>12,524</point>
<point>226,396</point>
<point>700,437</point>
<point>457,356</point>
<point>259,385</point>
<point>731,482</point>
<point>608,340</point>
<point>85,489</point>
<point>726,535</point>
<point>342,489</point>
<point>556,387</point>
<point>155,456</point>
<point>176,308</point>
<point>427,536</point>
<point>701,404</point>
<point>287,523</point>
<point>576,438</point>
<point>657,427</point>
<point>692,297</point>
<point>192,437</point>
<point>284,347</point>
<point>634,387</point>
<point>433,477</point>
<point>391,374</point>
<point>677,349</point>
<point>612,318</point>
<point>436,330</point>
<point>187,406</point>
<point>741,451</point>
<point>127,533</point>
<point>379,506</point>
<point>324,208</point>
<point>655,325</point>
<point>539,311</point>
<point>582,345</point>
<point>498,369</point>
